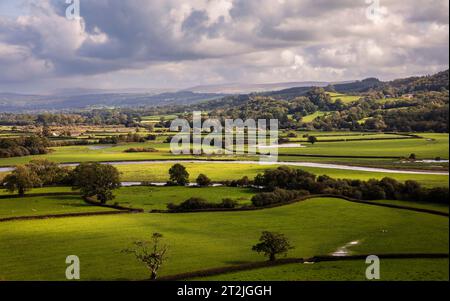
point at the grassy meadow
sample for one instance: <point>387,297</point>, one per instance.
<point>36,250</point>
<point>354,270</point>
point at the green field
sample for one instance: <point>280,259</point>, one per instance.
<point>142,197</point>
<point>36,250</point>
<point>158,172</point>
<point>432,146</point>
<point>423,148</point>
<point>321,137</point>
<point>310,118</point>
<point>150,198</point>
<point>390,270</point>
<point>49,205</point>
<point>420,205</point>
<point>344,97</point>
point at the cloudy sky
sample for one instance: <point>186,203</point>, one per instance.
<point>118,44</point>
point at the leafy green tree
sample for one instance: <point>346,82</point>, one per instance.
<point>49,173</point>
<point>95,179</point>
<point>272,244</point>
<point>151,253</point>
<point>179,175</point>
<point>203,181</point>
<point>21,179</point>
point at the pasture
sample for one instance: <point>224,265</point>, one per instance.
<point>345,98</point>
<point>354,270</point>
<point>158,172</point>
<point>48,205</point>
<point>36,250</point>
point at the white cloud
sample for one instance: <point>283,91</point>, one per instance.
<point>160,42</point>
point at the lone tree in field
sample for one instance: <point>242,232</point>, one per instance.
<point>312,139</point>
<point>96,180</point>
<point>203,181</point>
<point>179,175</point>
<point>151,253</point>
<point>272,244</point>
<point>21,179</point>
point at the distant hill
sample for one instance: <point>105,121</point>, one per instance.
<point>213,96</point>
<point>19,103</point>
<point>359,86</point>
<point>236,88</point>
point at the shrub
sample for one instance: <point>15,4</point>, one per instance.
<point>278,196</point>
<point>203,181</point>
<point>196,203</point>
<point>229,204</point>
<point>141,150</point>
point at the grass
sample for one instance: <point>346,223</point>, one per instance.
<point>158,172</point>
<point>423,148</point>
<point>147,198</point>
<point>348,137</point>
<point>344,97</point>
<point>310,118</point>
<point>420,205</point>
<point>56,189</point>
<point>150,198</point>
<point>49,205</point>
<point>36,250</point>
<point>390,270</point>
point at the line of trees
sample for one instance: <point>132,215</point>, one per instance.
<point>23,146</point>
<point>387,188</point>
<point>93,180</point>
<point>37,173</point>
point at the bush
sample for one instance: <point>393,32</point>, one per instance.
<point>228,203</point>
<point>141,150</point>
<point>203,181</point>
<point>279,196</point>
<point>196,203</point>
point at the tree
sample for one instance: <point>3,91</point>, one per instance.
<point>312,139</point>
<point>272,244</point>
<point>179,175</point>
<point>151,253</point>
<point>46,132</point>
<point>21,179</point>
<point>48,172</point>
<point>203,181</point>
<point>94,179</point>
<point>412,157</point>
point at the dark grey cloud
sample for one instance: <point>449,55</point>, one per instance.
<point>161,42</point>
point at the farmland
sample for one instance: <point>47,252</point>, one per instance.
<point>393,270</point>
<point>201,241</point>
<point>212,239</point>
<point>32,248</point>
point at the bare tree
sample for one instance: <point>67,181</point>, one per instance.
<point>152,253</point>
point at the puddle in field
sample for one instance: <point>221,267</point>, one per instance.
<point>344,250</point>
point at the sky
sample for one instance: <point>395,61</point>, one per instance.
<point>116,44</point>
